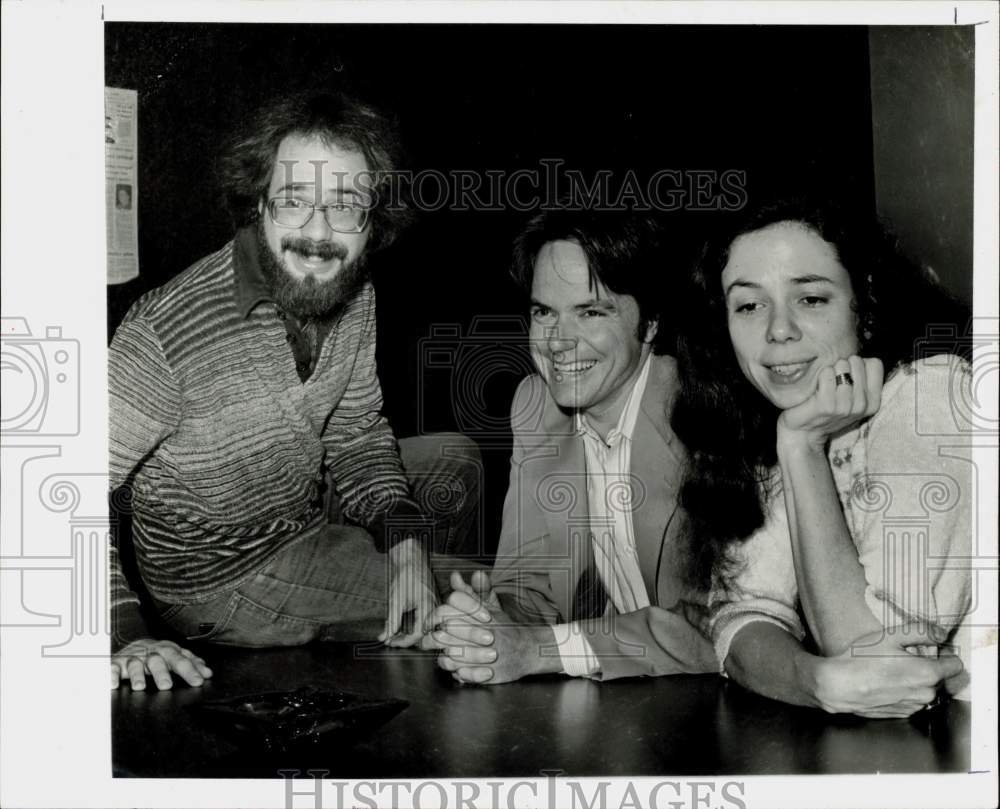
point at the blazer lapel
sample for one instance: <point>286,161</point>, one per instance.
<point>565,485</point>
<point>657,462</point>
<point>556,485</point>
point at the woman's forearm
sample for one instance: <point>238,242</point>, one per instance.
<point>830,578</point>
<point>766,659</point>
<point>887,683</point>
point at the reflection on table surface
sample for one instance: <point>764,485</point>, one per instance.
<point>681,725</point>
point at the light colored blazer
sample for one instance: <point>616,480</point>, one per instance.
<point>545,544</point>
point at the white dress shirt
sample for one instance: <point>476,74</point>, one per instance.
<point>612,536</point>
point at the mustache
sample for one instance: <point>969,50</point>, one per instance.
<point>310,249</point>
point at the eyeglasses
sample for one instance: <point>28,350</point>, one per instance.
<point>288,212</point>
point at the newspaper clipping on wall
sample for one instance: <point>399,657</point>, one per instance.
<point>121,192</point>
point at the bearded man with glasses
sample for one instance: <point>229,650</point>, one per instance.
<point>272,503</point>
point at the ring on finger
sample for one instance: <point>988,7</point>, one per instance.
<point>844,379</point>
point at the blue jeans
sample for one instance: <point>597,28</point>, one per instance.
<point>331,583</point>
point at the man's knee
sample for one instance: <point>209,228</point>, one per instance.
<point>421,452</point>
<point>466,462</point>
<point>458,446</point>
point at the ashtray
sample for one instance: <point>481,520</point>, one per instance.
<point>306,715</point>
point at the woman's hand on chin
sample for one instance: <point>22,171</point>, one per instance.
<point>846,392</point>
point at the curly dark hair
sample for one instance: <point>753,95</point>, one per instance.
<point>728,427</point>
<point>623,250</point>
<point>337,118</point>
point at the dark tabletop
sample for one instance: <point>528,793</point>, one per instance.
<point>680,725</point>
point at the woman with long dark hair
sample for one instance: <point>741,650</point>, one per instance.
<point>821,378</point>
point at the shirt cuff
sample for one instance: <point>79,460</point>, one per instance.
<point>575,652</point>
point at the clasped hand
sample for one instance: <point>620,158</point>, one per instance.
<point>834,406</point>
<point>479,642</point>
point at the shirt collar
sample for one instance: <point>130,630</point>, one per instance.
<point>251,286</point>
<point>626,421</point>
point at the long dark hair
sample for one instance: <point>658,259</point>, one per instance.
<point>727,426</point>
<point>337,118</point>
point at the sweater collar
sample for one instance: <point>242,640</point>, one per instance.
<point>251,286</point>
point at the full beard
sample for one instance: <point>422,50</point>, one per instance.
<point>308,298</point>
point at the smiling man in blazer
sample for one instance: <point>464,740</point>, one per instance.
<point>587,576</point>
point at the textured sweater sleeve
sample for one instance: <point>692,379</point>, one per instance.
<point>763,587</point>
<point>144,406</point>
<point>363,455</point>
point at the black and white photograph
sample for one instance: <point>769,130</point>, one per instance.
<point>593,405</point>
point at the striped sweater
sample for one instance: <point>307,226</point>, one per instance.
<point>225,448</point>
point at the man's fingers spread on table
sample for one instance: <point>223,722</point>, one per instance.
<point>115,676</point>
<point>198,661</point>
<point>136,669</point>
<point>186,670</point>
<point>157,667</point>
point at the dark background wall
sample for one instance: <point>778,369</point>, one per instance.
<point>923,108</point>
<point>787,105</point>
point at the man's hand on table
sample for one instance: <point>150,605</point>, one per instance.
<point>411,587</point>
<point>479,642</point>
<point>156,658</point>
<point>880,679</point>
